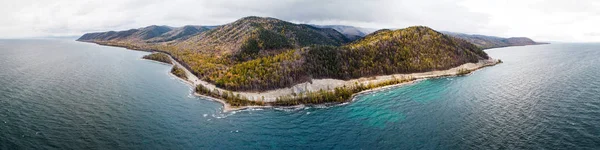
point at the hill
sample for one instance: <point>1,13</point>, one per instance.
<point>384,52</point>
<point>249,35</point>
<point>486,42</point>
<point>150,34</point>
<point>259,54</point>
<point>352,33</point>
<point>178,33</point>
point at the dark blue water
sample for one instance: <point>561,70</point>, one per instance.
<point>59,94</point>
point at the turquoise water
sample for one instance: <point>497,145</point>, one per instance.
<point>61,94</point>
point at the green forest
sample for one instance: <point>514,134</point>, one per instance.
<point>160,57</point>
<point>178,72</point>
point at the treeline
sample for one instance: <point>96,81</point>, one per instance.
<point>179,72</point>
<point>463,71</point>
<point>232,99</point>
<point>337,95</point>
<point>268,72</point>
<point>160,57</point>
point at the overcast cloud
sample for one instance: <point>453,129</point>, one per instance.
<point>542,20</point>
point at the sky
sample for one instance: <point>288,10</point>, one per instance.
<point>541,20</point>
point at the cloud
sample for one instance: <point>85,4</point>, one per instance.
<point>539,19</point>
<point>543,20</point>
<point>593,34</point>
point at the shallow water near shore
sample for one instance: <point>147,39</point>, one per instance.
<point>62,94</point>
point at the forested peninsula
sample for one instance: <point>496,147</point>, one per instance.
<point>258,61</point>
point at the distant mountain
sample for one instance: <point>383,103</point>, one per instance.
<point>257,54</point>
<point>486,42</point>
<point>178,33</point>
<point>150,34</point>
<point>353,33</point>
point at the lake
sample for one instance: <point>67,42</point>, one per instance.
<point>63,94</point>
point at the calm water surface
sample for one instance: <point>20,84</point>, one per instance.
<point>62,94</point>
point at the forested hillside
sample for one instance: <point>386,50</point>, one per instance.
<point>414,49</point>
<point>251,34</point>
<point>258,54</point>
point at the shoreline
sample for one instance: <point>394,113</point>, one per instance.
<point>471,67</point>
<point>317,84</point>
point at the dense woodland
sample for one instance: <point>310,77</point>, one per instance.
<point>258,54</point>
<point>160,57</point>
<point>178,72</point>
<point>414,49</point>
